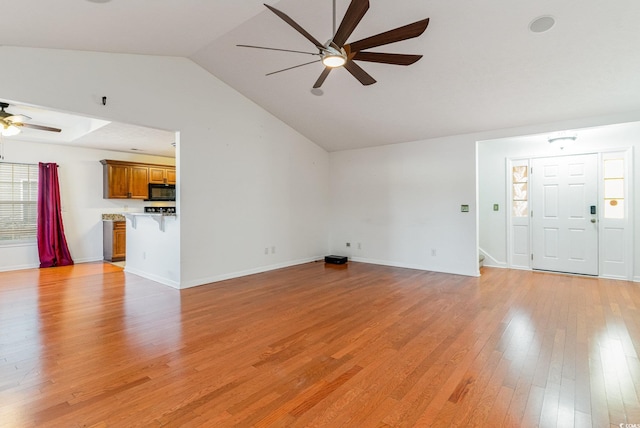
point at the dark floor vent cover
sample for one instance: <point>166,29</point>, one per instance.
<point>335,260</point>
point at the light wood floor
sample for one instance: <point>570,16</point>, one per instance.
<point>316,345</point>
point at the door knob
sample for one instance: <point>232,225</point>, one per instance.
<point>593,220</point>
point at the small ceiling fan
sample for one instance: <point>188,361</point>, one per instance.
<point>11,123</point>
<point>337,53</point>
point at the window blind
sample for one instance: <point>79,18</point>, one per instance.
<point>18,202</point>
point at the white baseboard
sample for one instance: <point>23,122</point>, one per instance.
<point>232,275</point>
<point>19,267</point>
<point>411,266</point>
<point>156,278</point>
<point>491,261</point>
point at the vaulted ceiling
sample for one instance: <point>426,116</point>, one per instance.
<point>482,68</point>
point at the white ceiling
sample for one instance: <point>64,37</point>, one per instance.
<point>92,133</point>
<point>482,67</point>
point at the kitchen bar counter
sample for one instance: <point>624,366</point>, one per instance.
<point>113,217</point>
<point>158,217</point>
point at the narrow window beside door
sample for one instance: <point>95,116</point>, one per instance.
<point>519,183</point>
<point>614,188</point>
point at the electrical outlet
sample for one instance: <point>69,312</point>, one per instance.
<point>273,250</point>
<point>433,252</point>
<point>348,244</point>
<point>359,246</point>
<point>266,251</point>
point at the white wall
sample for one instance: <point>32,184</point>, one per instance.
<point>492,155</point>
<point>151,249</point>
<point>246,181</point>
<point>249,182</point>
<point>402,201</point>
<point>80,177</point>
<point>399,203</point>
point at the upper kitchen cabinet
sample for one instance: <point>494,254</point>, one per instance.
<point>130,180</point>
<point>162,175</point>
<point>125,180</point>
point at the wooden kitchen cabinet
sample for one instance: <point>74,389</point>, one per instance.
<point>162,175</point>
<point>125,180</point>
<point>114,244</point>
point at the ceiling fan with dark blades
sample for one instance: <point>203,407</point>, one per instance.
<point>10,124</point>
<point>337,53</point>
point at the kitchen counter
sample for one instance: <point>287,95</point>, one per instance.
<point>113,217</point>
<point>158,217</point>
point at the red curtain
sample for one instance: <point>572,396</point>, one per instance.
<point>52,245</point>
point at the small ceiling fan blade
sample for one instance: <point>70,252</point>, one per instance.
<point>396,35</point>
<point>387,58</point>
<point>17,118</point>
<point>322,78</point>
<point>359,73</point>
<point>277,49</point>
<point>296,26</point>
<point>38,127</point>
<point>352,17</point>
<point>291,68</point>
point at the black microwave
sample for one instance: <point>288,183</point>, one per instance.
<point>162,192</point>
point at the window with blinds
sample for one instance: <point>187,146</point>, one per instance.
<point>18,202</point>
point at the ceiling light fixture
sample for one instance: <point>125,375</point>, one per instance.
<point>561,139</point>
<point>334,58</point>
<point>10,130</point>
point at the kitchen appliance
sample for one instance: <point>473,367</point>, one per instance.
<point>162,192</point>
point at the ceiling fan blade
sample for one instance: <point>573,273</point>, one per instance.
<point>359,73</point>
<point>277,49</point>
<point>296,26</point>
<point>38,127</point>
<point>17,118</point>
<point>322,78</point>
<point>291,68</point>
<point>387,58</point>
<point>352,17</point>
<point>396,35</point>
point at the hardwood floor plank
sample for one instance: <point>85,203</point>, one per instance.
<point>314,345</point>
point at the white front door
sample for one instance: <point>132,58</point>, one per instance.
<point>564,199</point>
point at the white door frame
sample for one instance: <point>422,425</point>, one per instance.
<point>608,265</point>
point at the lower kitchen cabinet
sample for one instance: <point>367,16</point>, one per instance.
<point>114,240</point>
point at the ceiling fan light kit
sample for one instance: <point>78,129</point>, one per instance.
<point>11,123</point>
<point>337,53</point>
<point>10,130</point>
<point>333,57</point>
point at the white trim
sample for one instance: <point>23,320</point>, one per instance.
<point>629,171</point>
<point>232,275</point>
<point>19,267</point>
<point>627,155</point>
<point>492,261</point>
<point>510,162</point>
<point>410,266</point>
<point>156,278</point>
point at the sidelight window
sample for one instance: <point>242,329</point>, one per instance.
<point>519,192</point>
<point>614,188</point>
